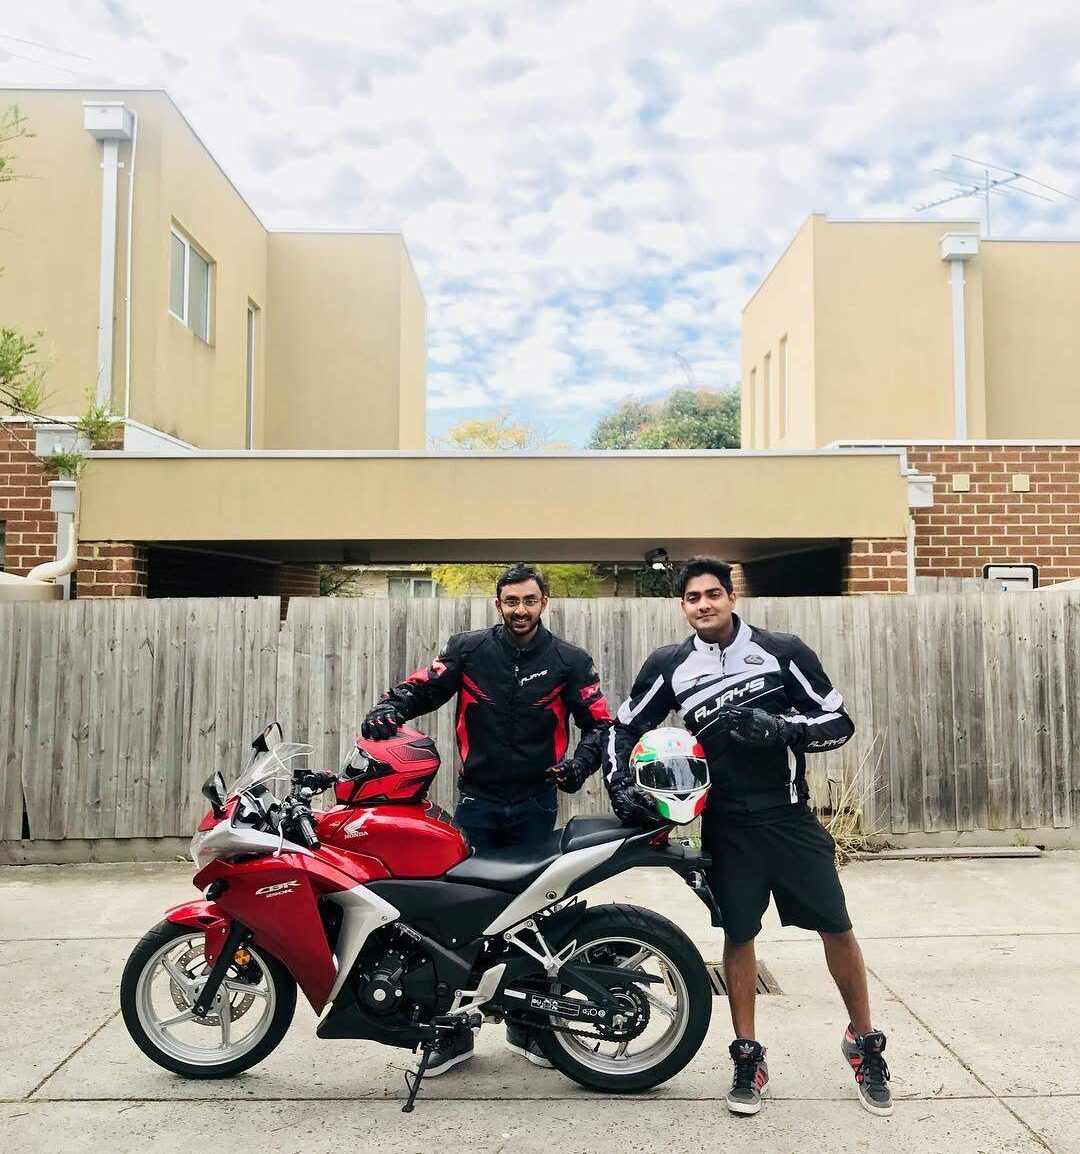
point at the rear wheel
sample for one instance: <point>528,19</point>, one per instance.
<point>249,1016</point>
<point>665,1021</point>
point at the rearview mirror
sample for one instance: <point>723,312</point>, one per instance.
<point>261,744</point>
<point>213,789</point>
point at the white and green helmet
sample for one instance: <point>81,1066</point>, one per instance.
<point>670,766</point>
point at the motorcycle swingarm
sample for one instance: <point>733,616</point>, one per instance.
<point>583,979</point>
<point>555,1007</point>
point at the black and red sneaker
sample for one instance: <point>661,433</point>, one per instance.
<point>864,1056</point>
<point>751,1078</point>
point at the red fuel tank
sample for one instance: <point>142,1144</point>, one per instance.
<point>415,840</point>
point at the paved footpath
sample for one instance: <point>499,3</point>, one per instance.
<point>975,976</point>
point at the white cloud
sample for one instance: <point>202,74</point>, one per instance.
<point>590,191</point>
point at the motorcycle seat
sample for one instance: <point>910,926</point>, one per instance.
<point>514,869</point>
<point>585,832</point>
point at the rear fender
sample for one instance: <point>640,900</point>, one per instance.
<point>644,849</point>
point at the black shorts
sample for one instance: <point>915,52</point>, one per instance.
<point>793,860</point>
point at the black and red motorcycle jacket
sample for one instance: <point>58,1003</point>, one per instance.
<point>514,707</point>
<point>777,672</point>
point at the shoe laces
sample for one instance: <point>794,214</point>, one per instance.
<point>874,1071</point>
<point>746,1064</point>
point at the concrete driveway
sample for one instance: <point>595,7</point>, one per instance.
<point>974,977</point>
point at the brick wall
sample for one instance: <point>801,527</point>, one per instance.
<point>29,524</point>
<point>991,523</point>
<point>739,584</point>
<point>110,569</point>
<point>875,565</point>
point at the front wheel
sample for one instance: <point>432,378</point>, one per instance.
<point>666,1021</point>
<point>249,1016</point>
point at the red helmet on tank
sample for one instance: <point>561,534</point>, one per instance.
<point>401,768</point>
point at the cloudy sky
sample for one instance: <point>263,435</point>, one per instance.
<point>590,190</point>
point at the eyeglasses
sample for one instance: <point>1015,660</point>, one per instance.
<point>529,602</point>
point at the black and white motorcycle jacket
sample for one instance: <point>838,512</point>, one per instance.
<point>513,707</point>
<point>777,672</point>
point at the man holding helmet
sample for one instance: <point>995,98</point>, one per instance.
<point>757,702</point>
<point>517,687</point>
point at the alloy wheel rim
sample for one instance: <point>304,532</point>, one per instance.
<point>161,976</point>
<point>672,1006</point>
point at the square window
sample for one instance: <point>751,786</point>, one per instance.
<point>190,286</point>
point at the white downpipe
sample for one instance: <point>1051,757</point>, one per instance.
<point>46,582</point>
<point>110,164</point>
<point>127,274</point>
<point>62,566</point>
<point>956,279</point>
<point>911,554</point>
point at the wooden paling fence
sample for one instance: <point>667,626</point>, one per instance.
<point>112,713</point>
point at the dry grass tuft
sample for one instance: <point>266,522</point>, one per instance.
<point>845,815</point>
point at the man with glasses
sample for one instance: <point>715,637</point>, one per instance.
<point>517,687</point>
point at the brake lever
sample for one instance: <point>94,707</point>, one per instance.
<point>279,816</point>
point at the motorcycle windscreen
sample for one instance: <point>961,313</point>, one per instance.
<point>674,774</point>
<point>271,769</point>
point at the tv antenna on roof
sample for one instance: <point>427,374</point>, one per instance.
<point>973,183</point>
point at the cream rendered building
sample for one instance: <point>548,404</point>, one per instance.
<point>961,351</point>
<point>853,334</point>
<point>232,336</point>
<point>272,386</point>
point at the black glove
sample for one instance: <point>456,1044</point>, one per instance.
<point>569,774</point>
<point>382,722</point>
<point>756,727</point>
<point>633,806</point>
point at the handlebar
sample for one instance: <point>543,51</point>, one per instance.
<point>312,781</point>
<point>307,831</point>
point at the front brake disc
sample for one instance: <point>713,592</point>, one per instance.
<point>237,1009</point>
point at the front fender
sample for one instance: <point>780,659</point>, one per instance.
<point>206,916</point>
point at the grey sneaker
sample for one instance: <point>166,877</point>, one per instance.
<point>450,1050</point>
<point>864,1056</point>
<point>751,1078</point>
<point>520,1041</point>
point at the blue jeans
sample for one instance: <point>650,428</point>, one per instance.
<point>492,825</point>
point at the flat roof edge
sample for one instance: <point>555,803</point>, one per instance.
<point>877,450</point>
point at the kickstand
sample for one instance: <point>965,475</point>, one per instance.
<point>447,1024</point>
<point>413,1081</point>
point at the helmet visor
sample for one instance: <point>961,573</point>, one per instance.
<point>673,773</point>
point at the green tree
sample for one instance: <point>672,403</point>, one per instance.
<point>685,419</point>
<point>564,579</point>
<point>621,428</point>
<point>498,434</point>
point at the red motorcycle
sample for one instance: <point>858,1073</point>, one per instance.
<point>379,912</point>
